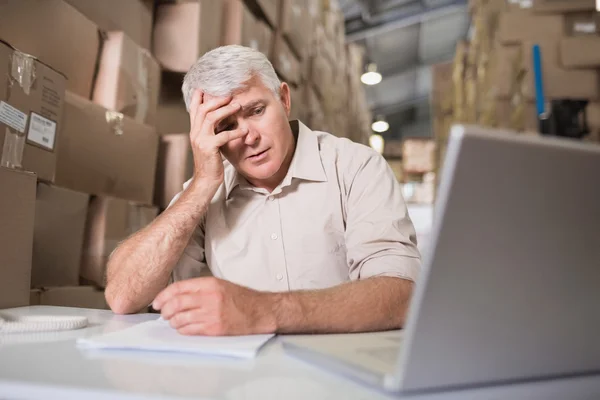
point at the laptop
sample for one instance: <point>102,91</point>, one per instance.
<point>510,285</point>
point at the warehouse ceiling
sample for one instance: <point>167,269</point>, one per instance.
<point>404,38</point>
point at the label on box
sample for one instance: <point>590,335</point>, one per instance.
<point>42,131</point>
<point>13,117</point>
<point>585,27</point>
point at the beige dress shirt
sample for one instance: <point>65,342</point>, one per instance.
<point>338,215</point>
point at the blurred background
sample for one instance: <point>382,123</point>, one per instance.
<point>94,132</point>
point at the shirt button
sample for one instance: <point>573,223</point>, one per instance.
<point>279,277</point>
<point>271,198</point>
<point>274,236</point>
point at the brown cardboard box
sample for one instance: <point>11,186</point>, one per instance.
<point>266,9</point>
<point>582,24</point>
<point>295,25</point>
<point>562,6</point>
<point>320,74</point>
<point>128,79</point>
<point>175,167</point>
<point>241,27</point>
<point>73,296</point>
<point>58,236</point>
<point>103,152</point>
<point>185,31</point>
<point>559,83</point>
<point>134,17</point>
<point>285,62</point>
<point>109,222</point>
<point>516,27</point>
<point>17,209</point>
<point>31,106</point>
<point>418,155</point>
<point>580,52</point>
<point>172,118</point>
<point>504,75</point>
<point>56,34</point>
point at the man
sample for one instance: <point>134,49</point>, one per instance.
<point>302,231</point>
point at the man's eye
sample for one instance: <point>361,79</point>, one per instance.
<point>223,128</point>
<point>259,110</point>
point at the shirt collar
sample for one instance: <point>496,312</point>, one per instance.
<point>306,163</point>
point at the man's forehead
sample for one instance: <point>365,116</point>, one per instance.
<point>252,89</point>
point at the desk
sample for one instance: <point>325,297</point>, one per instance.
<point>49,365</point>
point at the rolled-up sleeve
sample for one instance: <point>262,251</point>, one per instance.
<point>380,236</point>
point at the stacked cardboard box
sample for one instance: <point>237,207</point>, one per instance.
<point>493,72</point>
<point>77,127</point>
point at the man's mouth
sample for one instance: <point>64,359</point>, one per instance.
<point>257,155</point>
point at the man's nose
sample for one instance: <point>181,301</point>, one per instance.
<point>252,137</point>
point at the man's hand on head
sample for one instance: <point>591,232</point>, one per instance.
<point>215,307</point>
<point>206,113</point>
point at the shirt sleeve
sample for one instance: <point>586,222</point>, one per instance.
<point>380,236</point>
<point>193,260</point>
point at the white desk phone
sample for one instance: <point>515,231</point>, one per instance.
<point>36,323</point>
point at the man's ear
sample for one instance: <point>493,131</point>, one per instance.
<point>285,97</point>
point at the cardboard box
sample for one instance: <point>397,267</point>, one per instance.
<point>266,9</point>
<point>103,152</point>
<point>60,216</point>
<point>320,74</point>
<point>17,210</point>
<point>134,17</point>
<point>185,31</point>
<point>559,83</point>
<point>241,27</point>
<point>175,166</point>
<point>517,27</point>
<point>31,107</point>
<point>56,34</point>
<point>418,155</point>
<point>582,24</point>
<point>285,62</point>
<point>295,25</point>
<point>562,6</point>
<point>298,107</point>
<point>505,71</point>
<point>580,52</point>
<point>74,296</point>
<point>109,222</point>
<point>128,79</point>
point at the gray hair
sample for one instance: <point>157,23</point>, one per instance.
<point>222,71</point>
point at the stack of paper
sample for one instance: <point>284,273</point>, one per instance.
<point>159,336</point>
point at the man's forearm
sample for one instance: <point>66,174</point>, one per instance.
<point>141,266</point>
<point>373,304</point>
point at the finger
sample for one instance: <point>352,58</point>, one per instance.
<point>209,106</point>
<point>194,105</point>
<point>213,118</point>
<point>181,287</point>
<point>189,317</point>
<point>227,136</point>
<point>180,303</point>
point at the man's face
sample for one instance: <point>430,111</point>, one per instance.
<point>263,155</point>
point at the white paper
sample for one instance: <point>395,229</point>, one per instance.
<point>157,335</point>
<point>42,131</point>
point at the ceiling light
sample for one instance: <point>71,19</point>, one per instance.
<point>371,76</point>
<point>380,125</point>
<point>377,143</point>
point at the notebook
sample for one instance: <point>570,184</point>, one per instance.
<point>158,336</point>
